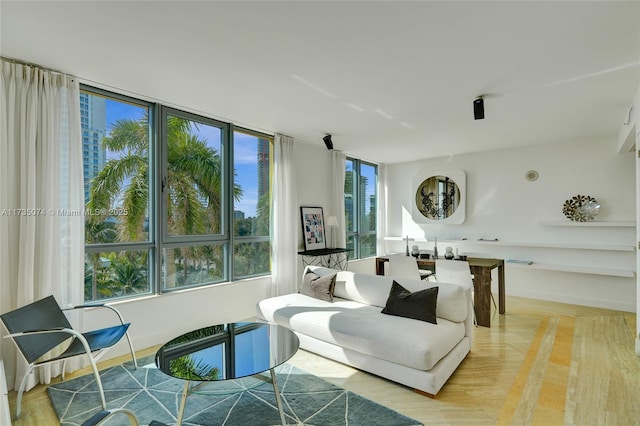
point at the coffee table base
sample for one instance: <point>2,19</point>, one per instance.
<point>187,390</point>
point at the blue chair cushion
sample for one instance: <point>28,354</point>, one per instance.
<point>97,339</point>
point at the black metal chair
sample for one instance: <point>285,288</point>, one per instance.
<point>42,326</point>
<point>102,417</point>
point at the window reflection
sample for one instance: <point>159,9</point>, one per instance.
<point>217,352</point>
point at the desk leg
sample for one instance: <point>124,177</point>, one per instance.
<point>501,296</point>
<point>277,394</point>
<point>482,295</point>
<point>183,402</point>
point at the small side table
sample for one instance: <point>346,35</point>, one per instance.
<point>336,258</point>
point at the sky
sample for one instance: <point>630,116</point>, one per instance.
<point>245,154</point>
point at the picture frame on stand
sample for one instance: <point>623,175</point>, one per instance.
<point>313,232</point>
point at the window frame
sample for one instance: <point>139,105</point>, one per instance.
<point>148,245</point>
<point>252,238</point>
<point>169,242</point>
<point>159,239</point>
<point>357,233</point>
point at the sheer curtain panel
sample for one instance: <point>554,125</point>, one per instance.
<point>338,172</point>
<point>41,195</point>
<point>381,210</point>
<point>286,221</point>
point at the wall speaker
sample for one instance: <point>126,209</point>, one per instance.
<point>478,108</point>
<point>328,142</point>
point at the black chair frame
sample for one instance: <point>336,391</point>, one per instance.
<point>41,326</point>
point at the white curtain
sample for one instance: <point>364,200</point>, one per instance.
<point>41,195</point>
<point>381,210</point>
<point>338,172</point>
<point>286,221</point>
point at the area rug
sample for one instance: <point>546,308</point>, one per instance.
<point>152,395</point>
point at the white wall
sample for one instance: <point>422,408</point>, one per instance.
<point>313,171</point>
<point>157,319</point>
<point>502,204</point>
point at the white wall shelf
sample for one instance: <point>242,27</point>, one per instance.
<point>566,246</point>
<point>593,224</point>
<point>576,269</point>
<point>470,243</point>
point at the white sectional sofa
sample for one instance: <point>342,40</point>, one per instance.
<point>351,329</point>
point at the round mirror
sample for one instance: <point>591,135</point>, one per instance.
<point>437,197</point>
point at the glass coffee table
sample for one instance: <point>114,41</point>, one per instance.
<point>227,352</point>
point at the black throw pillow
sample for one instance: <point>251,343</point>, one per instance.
<point>420,305</point>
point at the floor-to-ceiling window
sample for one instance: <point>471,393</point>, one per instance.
<point>251,215</point>
<point>118,165</point>
<point>193,202</point>
<point>173,199</point>
<point>360,207</point>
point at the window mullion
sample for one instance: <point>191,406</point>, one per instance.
<point>228,213</point>
<point>156,217</point>
<point>356,212</point>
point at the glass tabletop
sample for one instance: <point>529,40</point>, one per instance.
<point>227,351</point>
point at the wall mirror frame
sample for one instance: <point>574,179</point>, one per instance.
<point>439,197</point>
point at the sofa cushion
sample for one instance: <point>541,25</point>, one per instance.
<point>362,328</point>
<point>419,305</point>
<point>319,287</point>
<point>374,290</point>
<point>363,288</point>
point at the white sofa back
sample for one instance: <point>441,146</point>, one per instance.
<point>454,302</point>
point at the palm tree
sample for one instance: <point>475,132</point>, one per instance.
<point>131,170</point>
<point>97,282</point>
<point>188,368</point>
<point>129,273</point>
<point>194,179</point>
<point>263,214</point>
<point>193,182</point>
<point>97,232</point>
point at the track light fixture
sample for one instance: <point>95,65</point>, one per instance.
<point>478,108</point>
<point>328,142</point>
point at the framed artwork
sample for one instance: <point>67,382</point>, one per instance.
<point>313,228</point>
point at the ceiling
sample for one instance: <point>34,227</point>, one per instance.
<point>391,81</point>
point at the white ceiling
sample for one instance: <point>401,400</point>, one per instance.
<point>391,81</point>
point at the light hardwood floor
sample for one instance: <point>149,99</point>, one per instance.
<point>542,363</point>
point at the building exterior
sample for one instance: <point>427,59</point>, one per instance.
<point>93,119</point>
<point>263,166</point>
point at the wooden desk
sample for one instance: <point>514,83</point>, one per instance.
<point>481,269</point>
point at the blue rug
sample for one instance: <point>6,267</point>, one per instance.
<point>152,395</point>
